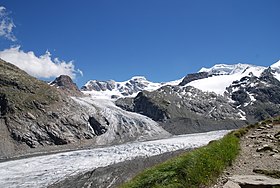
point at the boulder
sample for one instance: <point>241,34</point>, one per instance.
<point>231,184</point>
<point>254,181</point>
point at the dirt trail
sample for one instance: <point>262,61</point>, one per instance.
<point>260,150</point>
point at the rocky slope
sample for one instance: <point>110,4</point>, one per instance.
<point>259,155</point>
<point>185,109</point>
<point>36,115</point>
<point>258,97</point>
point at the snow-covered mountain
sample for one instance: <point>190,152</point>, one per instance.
<point>224,69</point>
<point>220,76</point>
<point>212,98</point>
<point>214,79</point>
<point>220,97</point>
<point>276,68</point>
<point>130,88</point>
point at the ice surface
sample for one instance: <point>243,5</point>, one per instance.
<point>134,125</point>
<point>45,170</point>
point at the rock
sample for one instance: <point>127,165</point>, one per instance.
<point>277,156</point>
<point>66,84</point>
<point>192,77</point>
<point>254,180</point>
<point>231,184</point>
<point>256,155</point>
<point>31,116</point>
<point>277,135</point>
<point>269,136</point>
<point>96,126</point>
<point>268,126</point>
<point>252,137</point>
<point>264,132</point>
<point>264,148</point>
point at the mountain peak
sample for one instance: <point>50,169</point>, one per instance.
<point>225,69</point>
<point>138,78</point>
<point>276,65</point>
<point>66,84</point>
<point>129,88</point>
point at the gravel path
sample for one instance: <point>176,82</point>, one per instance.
<point>260,149</point>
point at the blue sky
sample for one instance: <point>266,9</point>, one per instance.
<point>162,40</point>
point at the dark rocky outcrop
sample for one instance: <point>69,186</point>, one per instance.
<point>198,124</point>
<point>3,104</point>
<point>185,109</point>
<point>145,105</point>
<point>66,84</point>
<point>97,127</point>
<point>192,77</point>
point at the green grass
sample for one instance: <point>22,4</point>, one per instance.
<point>22,91</point>
<point>193,169</point>
<point>199,167</point>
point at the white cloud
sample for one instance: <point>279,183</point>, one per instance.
<point>6,25</point>
<point>40,67</point>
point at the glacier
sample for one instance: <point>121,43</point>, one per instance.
<point>42,171</point>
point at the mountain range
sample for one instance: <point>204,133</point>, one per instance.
<point>39,117</point>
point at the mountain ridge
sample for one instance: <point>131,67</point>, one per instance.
<point>130,88</point>
<point>36,115</point>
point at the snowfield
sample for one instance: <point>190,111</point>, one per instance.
<point>45,170</point>
<point>226,75</point>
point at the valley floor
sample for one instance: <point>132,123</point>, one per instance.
<point>45,170</point>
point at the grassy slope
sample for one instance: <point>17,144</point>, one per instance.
<point>199,167</point>
<point>22,90</point>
